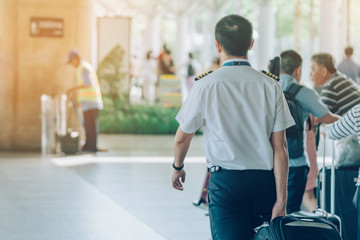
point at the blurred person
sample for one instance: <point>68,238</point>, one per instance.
<point>149,72</point>
<point>165,66</point>
<point>348,66</point>
<point>307,101</point>
<point>165,63</point>
<point>338,92</point>
<point>193,68</point>
<point>89,96</point>
<point>164,49</point>
<point>347,126</point>
<point>245,146</point>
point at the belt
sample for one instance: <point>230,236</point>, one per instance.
<point>215,169</point>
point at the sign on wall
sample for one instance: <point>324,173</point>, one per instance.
<point>46,27</point>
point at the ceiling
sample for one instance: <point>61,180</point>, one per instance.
<point>164,8</point>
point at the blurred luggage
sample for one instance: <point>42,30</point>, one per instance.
<point>345,188</point>
<point>69,143</point>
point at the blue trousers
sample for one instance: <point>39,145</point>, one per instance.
<point>296,188</point>
<point>239,201</point>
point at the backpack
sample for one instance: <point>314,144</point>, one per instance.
<point>190,70</point>
<point>295,134</point>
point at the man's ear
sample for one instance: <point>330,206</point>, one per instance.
<point>218,46</point>
<point>323,71</point>
<point>252,44</point>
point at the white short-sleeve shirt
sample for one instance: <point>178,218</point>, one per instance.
<point>238,108</point>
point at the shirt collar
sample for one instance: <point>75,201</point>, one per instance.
<point>286,80</point>
<point>235,60</point>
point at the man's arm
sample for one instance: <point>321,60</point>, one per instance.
<point>343,128</point>
<point>181,146</point>
<point>281,170</point>
<point>87,81</point>
<point>74,89</point>
<point>329,118</point>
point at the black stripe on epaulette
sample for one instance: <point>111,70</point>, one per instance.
<point>202,75</point>
<point>271,75</point>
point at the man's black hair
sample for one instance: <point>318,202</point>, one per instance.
<point>290,60</point>
<point>234,33</point>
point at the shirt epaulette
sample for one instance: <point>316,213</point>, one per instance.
<point>271,75</point>
<point>202,75</point>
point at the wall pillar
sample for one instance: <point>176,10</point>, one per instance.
<point>329,37</point>
<point>35,65</point>
<point>7,72</point>
<point>181,45</point>
<point>266,40</point>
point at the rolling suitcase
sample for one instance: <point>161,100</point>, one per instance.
<point>318,225</point>
<point>339,201</point>
<point>298,228</point>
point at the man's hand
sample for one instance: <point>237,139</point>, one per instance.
<point>278,210</point>
<point>323,133</point>
<point>178,177</point>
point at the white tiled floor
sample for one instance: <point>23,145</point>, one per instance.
<point>104,196</point>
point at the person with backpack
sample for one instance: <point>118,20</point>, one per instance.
<point>301,101</point>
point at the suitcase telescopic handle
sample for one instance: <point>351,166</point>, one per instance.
<point>323,177</point>
<point>332,179</point>
<point>332,191</point>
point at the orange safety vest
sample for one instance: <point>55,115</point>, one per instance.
<point>93,93</point>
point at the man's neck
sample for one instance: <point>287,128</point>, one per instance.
<point>223,58</point>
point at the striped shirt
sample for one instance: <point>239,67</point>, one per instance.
<point>340,94</point>
<point>346,126</point>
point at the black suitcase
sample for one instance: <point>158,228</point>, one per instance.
<point>320,213</point>
<point>303,225</point>
<point>298,228</point>
<point>345,179</point>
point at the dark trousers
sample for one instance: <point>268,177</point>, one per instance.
<point>358,208</point>
<point>239,201</point>
<point>91,130</point>
<point>296,188</point>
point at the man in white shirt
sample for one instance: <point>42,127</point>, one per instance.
<point>244,115</point>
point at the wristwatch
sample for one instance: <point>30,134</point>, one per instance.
<point>177,168</point>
